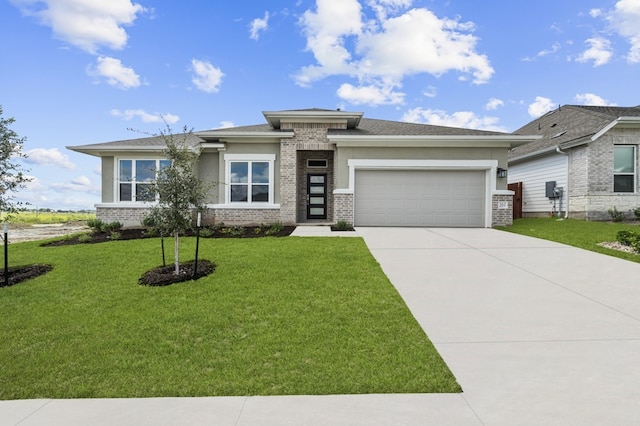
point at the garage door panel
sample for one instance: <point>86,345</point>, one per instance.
<point>420,198</point>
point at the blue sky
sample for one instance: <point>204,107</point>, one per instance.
<point>76,72</point>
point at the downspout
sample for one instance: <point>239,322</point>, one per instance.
<point>561,152</point>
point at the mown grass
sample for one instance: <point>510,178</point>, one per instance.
<point>278,316</point>
<point>32,217</point>
<point>578,233</point>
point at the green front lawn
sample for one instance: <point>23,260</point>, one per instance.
<point>278,316</point>
<point>578,233</point>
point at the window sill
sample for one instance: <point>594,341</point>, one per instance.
<point>245,206</point>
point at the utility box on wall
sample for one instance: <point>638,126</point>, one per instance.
<point>550,189</point>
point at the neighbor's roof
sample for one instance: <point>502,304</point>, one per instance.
<point>568,125</point>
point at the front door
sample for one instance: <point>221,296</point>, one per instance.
<point>316,196</point>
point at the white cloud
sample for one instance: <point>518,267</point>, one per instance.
<point>87,24</point>
<point>48,157</point>
<point>600,51</point>
<point>116,74</point>
<point>146,117</point>
<point>258,25</point>
<point>430,92</point>
<point>625,20</point>
<point>594,13</point>
<point>462,119</point>
<point>78,184</point>
<point>540,106</point>
<point>370,95</point>
<point>592,99</point>
<point>226,124</point>
<point>206,77</point>
<point>381,52</point>
<point>493,104</point>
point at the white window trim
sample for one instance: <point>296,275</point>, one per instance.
<point>116,174</point>
<point>228,158</point>
<point>634,174</point>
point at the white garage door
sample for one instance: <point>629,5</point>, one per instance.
<point>452,198</point>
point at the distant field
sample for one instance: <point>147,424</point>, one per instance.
<point>32,217</point>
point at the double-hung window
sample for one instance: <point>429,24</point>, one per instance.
<point>135,178</point>
<point>624,168</point>
<point>249,178</point>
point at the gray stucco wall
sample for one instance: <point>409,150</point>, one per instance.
<point>108,179</point>
<point>344,154</point>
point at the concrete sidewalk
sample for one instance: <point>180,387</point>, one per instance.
<point>537,333</point>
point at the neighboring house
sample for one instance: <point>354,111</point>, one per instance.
<point>324,166</point>
<point>590,152</point>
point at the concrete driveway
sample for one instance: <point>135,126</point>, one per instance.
<point>535,332</point>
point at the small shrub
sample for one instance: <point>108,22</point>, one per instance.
<point>111,227</point>
<point>115,235</point>
<point>258,230</point>
<point>636,212</point>
<point>206,232</point>
<point>274,228</point>
<point>628,238</point>
<point>95,224</point>
<point>84,238</point>
<point>616,215</point>
<point>343,225</point>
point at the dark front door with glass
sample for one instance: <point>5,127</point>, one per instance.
<point>316,196</point>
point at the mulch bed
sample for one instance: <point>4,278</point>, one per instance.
<point>164,275</point>
<point>17,274</point>
<point>138,233</point>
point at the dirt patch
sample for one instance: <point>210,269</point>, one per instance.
<point>164,275</point>
<point>19,274</point>
<point>22,233</point>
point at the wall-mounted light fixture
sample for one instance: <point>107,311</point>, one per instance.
<point>502,173</point>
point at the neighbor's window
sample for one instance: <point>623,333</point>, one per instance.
<point>250,178</point>
<point>136,177</point>
<point>624,168</point>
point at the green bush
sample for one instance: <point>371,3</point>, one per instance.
<point>636,212</point>
<point>111,227</point>
<point>206,232</point>
<point>84,238</point>
<point>95,224</point>
<point>274,228</point>
<point>115,235</point>
<point>343,225</point>
<point>629,238</point>
<point>616,215</point>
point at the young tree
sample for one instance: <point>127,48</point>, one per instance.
<point>12,176</point>
<point>179,191</point>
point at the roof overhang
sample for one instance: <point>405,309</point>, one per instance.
<point>446,141</point>
<point>351,119</point>
<point>101,151</point>
<point>622,122</point>
<point>249,137</point>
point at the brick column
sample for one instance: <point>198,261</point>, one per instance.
<point>502,216</point>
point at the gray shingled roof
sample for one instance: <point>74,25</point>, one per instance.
<point>569,123</point>
<point>149,142</point>
<point>370,126</point>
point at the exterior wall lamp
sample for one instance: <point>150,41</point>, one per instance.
<point>502,173</point>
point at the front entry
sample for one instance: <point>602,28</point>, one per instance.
<point>316,196</point>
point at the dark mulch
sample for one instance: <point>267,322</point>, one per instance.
<point>336,228</point>
<point>164,275</point>
<point>137,233</point>
<point>18,274</point>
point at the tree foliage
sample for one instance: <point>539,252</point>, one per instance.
<point>179,192</point>
<point>12,177</point>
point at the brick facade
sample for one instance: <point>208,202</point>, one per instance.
<point>591,177</point>
<point>501,216</point>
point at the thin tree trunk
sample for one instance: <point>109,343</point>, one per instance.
<point>176,253</point>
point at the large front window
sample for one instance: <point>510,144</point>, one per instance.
<point>624,168</point>
<point>250,178</point>
<point>136,177</point>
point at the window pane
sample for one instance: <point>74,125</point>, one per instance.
<point>623,161</point>
<point>623,183</point>
<point>125,171</point>
<point>239,172</point>
<point>144,193</point>
<point>238,193</point>
<point>260,193</point>
<point>260,172</point>
<point>145,170</point>
<point>125,192</point>
<point>165,163</point>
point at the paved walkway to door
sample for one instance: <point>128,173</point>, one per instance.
<point>535,332</point>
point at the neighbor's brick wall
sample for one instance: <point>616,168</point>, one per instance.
<point>501,217</point>
<point>599,197</point>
